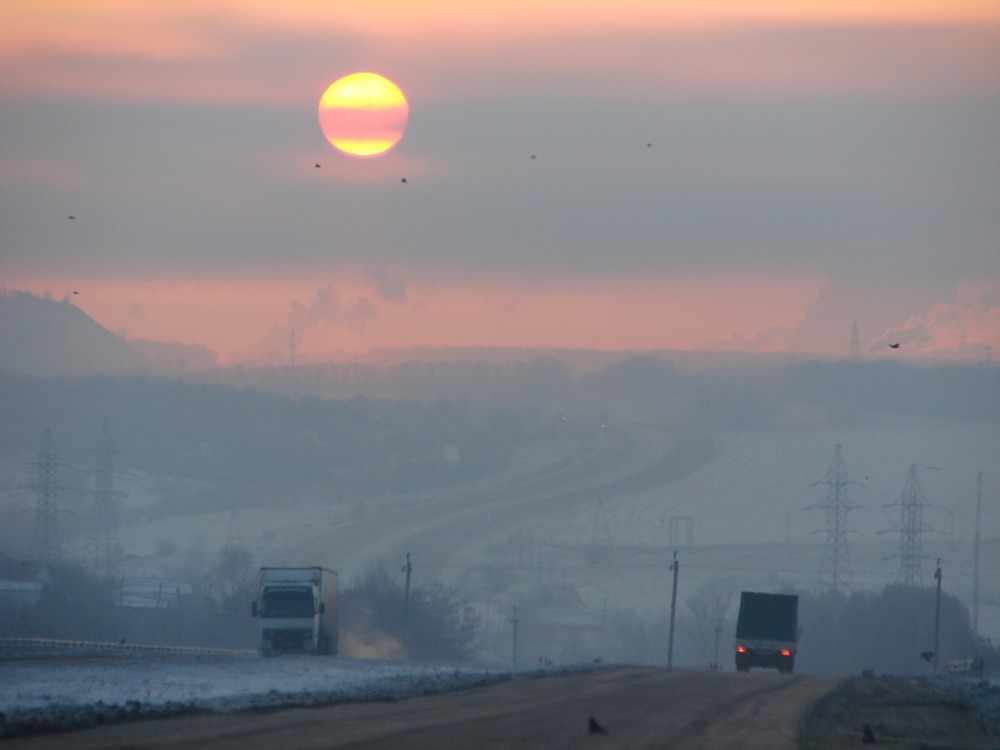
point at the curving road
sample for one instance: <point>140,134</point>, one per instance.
<point>626,458</point>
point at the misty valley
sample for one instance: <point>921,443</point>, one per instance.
<point>540,501</point>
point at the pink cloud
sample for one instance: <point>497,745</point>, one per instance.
<point>267,53</point>
<point>355,312</point>
<point>968,328</point>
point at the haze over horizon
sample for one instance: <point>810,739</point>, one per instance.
<point>735,176</point>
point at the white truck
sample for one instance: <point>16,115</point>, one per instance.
<point>297,608</point>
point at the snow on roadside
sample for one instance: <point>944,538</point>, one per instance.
<point>982,694</point>
<point>41,696</point>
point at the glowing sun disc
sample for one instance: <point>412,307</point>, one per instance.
<point>363,114</point>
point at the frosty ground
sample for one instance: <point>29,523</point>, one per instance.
<point>74,692</point>
<point>42,696</point>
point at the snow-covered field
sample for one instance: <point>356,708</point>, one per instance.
<point>42,696</point>
<point>48,695</point>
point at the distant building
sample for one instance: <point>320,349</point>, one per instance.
<point>152,593</point>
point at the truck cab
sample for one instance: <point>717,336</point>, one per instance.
<point>297,608</point>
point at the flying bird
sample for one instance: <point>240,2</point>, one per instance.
<point>75,292</point>
<point>894,346</point>
<point>534,156</point>
<point>317,166</point>
<point>403,180</point>
<point>594,727</point>
<point>72,217</point>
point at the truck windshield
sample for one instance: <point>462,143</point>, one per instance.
<point>291,601</point>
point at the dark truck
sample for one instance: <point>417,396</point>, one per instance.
<point>767,631</point>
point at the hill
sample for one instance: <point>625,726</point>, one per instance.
<point>45,337</point>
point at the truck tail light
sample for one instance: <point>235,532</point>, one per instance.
<point>786,652</point>
<point>741,649</point>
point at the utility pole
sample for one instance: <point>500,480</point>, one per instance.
<point>937,613</point>
<point>718,632</point>
<point>975,558</point>
<point>407,568</point>
<point>673,610</point>
<point>513,658</point>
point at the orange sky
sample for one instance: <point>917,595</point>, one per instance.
<point>251,319</point>
<point>184,133</point>
<point>42,42</point>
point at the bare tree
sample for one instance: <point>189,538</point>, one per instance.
<point>709,608</point>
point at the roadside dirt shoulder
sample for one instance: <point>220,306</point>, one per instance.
<point>899,712</point>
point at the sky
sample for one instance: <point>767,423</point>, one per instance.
<point>734,175</point>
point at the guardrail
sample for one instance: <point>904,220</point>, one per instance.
<point>49,646</point>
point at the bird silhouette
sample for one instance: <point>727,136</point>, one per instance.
<point>534,156</point>
<point>317,166</point>
<point>894,346</point>
<point>403,180</point>
<point>594,727</point>
<point>72,217</point>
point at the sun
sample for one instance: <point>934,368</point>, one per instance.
<point>363,114</point>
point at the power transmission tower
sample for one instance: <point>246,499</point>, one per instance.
<point>45,542</point>
<point>233,538</point>
<point>104,548</point>
<point>601,543</point>
<point>855,351</point>
<point>680,531</point>
<point>911,525</point>
<point>835,569</point>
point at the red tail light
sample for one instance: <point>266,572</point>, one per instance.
<point>785,652</point>
<point>741,649</point>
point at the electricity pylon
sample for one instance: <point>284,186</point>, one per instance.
<point>45,542</point>
<point>911,525</point>
<point>835,568</point>
<point>103,547</point>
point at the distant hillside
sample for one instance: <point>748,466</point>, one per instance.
<point>40,336</point>
<point>172,358</point>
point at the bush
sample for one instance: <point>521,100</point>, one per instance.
<point>376,620</point>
